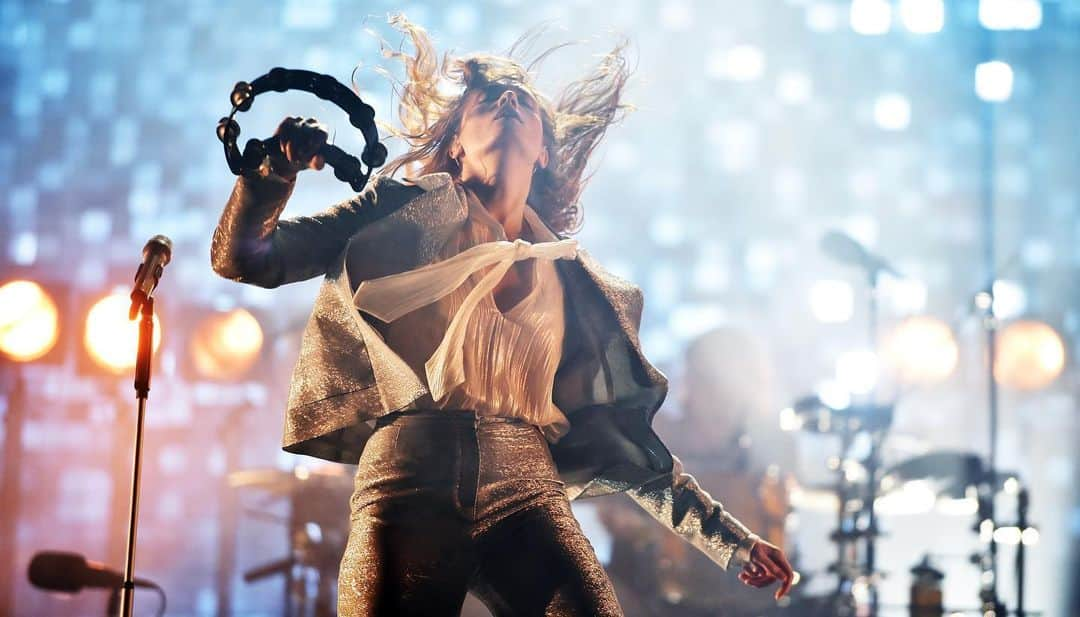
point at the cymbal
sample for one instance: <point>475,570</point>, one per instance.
<point>954,472</point>
<point>282,482</point>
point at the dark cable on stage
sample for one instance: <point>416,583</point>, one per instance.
<point>347,167</point>
<point>66,572</point>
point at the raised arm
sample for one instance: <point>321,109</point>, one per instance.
<point>251,245</point>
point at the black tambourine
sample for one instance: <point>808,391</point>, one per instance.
<point>347,167</point>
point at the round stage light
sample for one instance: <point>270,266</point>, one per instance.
<point>871,17</point>
<point>832,301</point>
<point>111,339</point>
<point>994,81</point>
<point>922,16</point>
<point>921,350</point>
<point>858,371</point>
<point>1030,355</point>
<point>226,345</point>
<point>29,321</point>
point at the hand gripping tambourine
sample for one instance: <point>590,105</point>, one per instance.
<point>347,167</point>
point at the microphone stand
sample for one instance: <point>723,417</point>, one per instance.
<point>988,562</point>
<point>862,525</point>
<point>142,393</point>
<point>873,460</point>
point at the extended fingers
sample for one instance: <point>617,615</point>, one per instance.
<point>777,565</point>
<point>789,573</point>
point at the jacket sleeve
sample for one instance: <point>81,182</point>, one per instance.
<point>251,245</point>
<point>677,501</point>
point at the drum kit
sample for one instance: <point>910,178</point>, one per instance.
<point>864,488</point>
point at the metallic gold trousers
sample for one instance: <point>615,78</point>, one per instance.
<point>448,502</point>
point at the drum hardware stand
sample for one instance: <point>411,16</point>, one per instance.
<point>984,300</point>
<point>1021,553</point>
<point>869,418</point>
<point>855,526</point>
<point>306,556</point>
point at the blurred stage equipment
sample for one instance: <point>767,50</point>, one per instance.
<point>856,491</point>
<point>955,475</point>
<point>29,321</point>
<point>143,295</point>
<point>317,527</point>
<point>347,167</point>
<point>922,350</point>
<point>984,303</point>
<point>871,420</point>
<point>845,249</point>
<point>224,346</point>
<point>926,593</point>
<point>70,573</point>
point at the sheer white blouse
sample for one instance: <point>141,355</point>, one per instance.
<point>442,320</point>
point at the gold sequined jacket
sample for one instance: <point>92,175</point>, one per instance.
<point>346,376</point>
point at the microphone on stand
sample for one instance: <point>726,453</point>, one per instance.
<point>845,249</point>
<point>71,572</point>
<point>156,255</point>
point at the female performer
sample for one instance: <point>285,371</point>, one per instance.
<point>479,366</point>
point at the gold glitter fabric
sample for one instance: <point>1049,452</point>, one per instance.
<point>347,375</point>
<point>687,509</point>
<point>446,502</point>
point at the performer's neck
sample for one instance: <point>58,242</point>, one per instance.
<point>505,202</point>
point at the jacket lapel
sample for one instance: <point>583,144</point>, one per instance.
<point>602,363</point>
<point>604,383</point>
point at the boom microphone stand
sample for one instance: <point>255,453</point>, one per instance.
<point>845,249</point>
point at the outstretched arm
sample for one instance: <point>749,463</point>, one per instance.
<point>679,502</point>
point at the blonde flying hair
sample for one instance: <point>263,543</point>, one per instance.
<point>431,105</point>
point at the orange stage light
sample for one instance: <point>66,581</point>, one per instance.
<point>226,345</point>
<point>29,321</point>
<point>1030,355</point>
<point>921,350</point>
<point>111,338</point>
